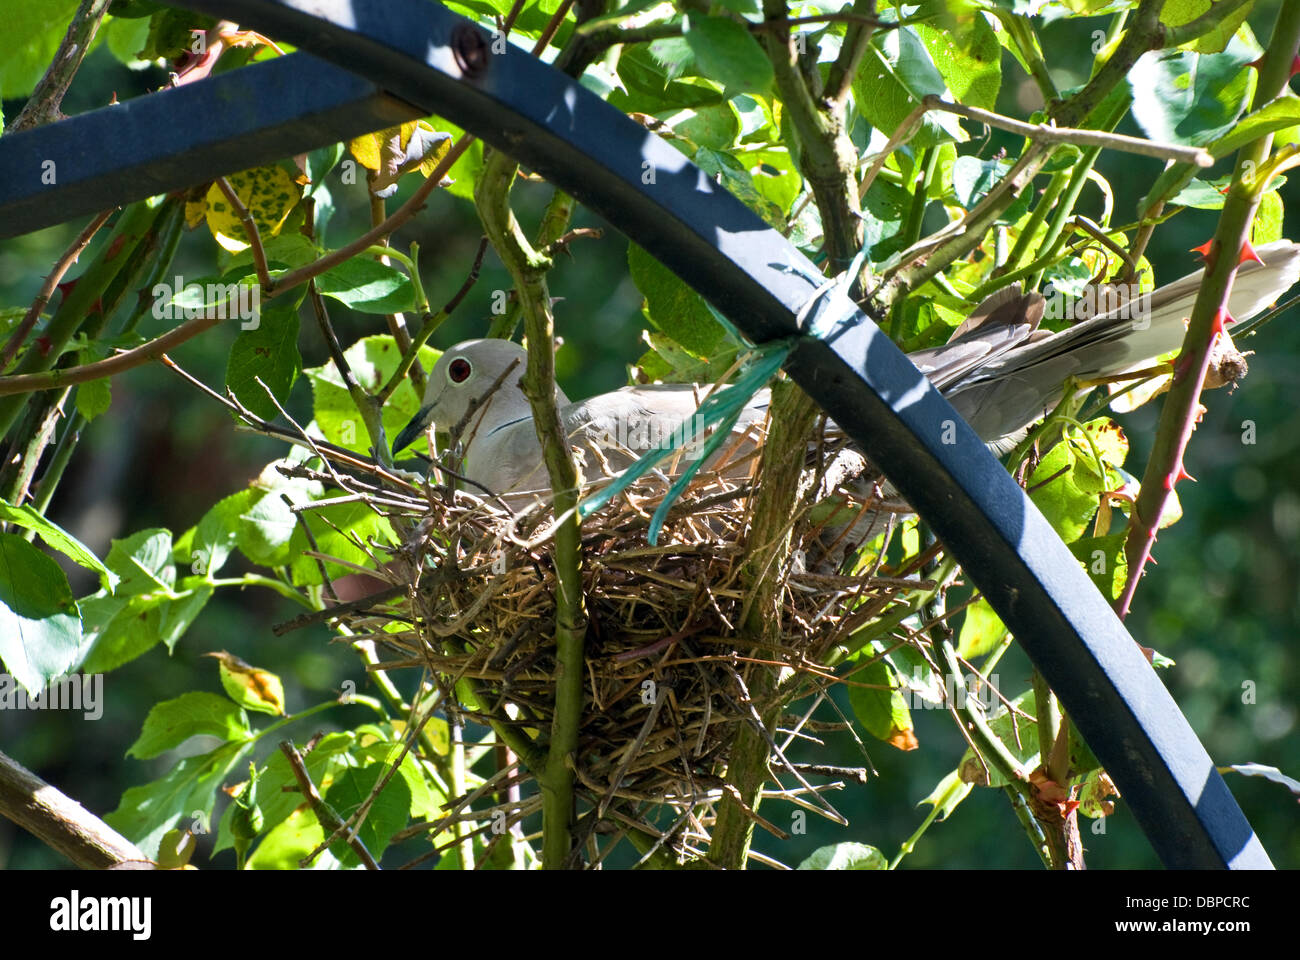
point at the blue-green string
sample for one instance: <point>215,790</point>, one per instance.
<point>722,408</point>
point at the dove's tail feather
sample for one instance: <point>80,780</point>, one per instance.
<point>1145,329</point>
<point>1013,389</point>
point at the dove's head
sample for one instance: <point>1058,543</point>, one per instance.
<point>464,374</point>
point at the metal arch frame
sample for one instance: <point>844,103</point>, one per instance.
<point>441,63</point>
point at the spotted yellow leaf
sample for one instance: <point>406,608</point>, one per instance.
<point>270,195</point>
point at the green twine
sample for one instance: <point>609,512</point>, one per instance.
<point>721,409</point>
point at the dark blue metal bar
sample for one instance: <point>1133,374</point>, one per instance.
<point>434,59</point>
<point>191,134</point>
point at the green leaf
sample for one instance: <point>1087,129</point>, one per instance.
<point>94,397</point>
<point>895,75</point>
<point>388,813</point>
<point>674,55</point>
<point>1190,98</point>
<point>845,856</point>
<point>668,362</point>
<point>40,625</point>
<point>947,794</point>
<point>425,802</point>
<point>172,722</point>
<point>1104,561</point>
<point>1199,195</point>
<point>126,38</point>
<point>887,204</point>
<point>672,307</point>
<point>733,175</point>
<point>651,89</point>
<point>218,533</point>
<point>465,171</point>
<point>319,163</point>
<point>727,52</point>
<point>973,178</point>
<point>775,177</point>
<point>1267,226</point>
<point>268,352</point>
<point>330,755</point>
<point>881,707</point>
<point>121,627</point>
<point>55,537</point>
<point>189,788</point>
<point>1175,13</point>
<point>142,561</point>
<point>373,361</point>
<point>716,126</point>
<point>969,59</point>
<point>355,518</point>
<point>1065,490</point>
<point>284,249</point>
<point>368,286</point>
<point>1281,113</point>
<point>266,527</point>
<point>285,845</point>
<point>1018,733</point>
<point>32,34</point>
<point>981,630</point>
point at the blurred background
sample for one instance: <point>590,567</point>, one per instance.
<point>1222,602</point>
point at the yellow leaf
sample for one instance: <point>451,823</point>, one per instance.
<point>248,686</point>
<point>270,195</point>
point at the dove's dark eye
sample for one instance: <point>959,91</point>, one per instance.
<point>459,370</point>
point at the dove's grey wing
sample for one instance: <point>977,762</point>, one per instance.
<point>619,427</point>
<point>608,433</point>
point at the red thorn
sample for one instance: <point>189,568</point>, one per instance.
<point>115,247</point>
<point>45,345</point>
<point>1205,250</point>
<point>1221,320</point>
<point>1069,807</point>
<point>1295,64</point>
<point>66,287</point>
<point>1248,254</point>
<point>1176,476</point>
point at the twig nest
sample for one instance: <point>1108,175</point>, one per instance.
<point>669,668</point>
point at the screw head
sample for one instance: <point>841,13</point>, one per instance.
<point>470,49</point>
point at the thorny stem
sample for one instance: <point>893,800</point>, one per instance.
<point>1178,415</point>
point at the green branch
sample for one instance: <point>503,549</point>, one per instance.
<point>528,270</point>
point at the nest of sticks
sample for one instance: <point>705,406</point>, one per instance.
<point>670,670</point>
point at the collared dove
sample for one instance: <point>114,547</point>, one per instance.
<point>999,371</point>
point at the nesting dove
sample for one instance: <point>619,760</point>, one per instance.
<point>998,370</point>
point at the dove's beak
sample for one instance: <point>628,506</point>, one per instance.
<point>411,432</point>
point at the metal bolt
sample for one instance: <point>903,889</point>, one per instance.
<point>470,50</point>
